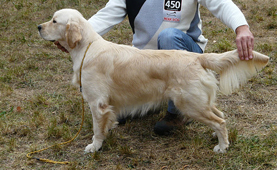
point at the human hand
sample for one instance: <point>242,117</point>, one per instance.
<point>245,42</point>
<point>60,46</point>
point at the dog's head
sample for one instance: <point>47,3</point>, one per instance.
<point>63,27</point>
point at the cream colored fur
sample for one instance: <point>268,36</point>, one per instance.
<point>119,79</point>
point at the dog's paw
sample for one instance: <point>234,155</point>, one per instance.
<point>92,147</point>
<point>217,149</point>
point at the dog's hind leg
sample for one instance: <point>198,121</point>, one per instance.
<point>217,112</point>
<point>219,126</point>
<point>207,117</point>
<point>104,119</point>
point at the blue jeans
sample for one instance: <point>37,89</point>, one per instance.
<point>172,38</point>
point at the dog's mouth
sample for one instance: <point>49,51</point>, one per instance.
<point>45,38</point>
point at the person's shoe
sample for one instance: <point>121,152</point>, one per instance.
<point>121,121</point>
<point>167,124</point>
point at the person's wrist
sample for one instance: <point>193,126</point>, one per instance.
<point>242,28</point>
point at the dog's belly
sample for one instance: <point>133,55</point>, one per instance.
<point>153,91</point>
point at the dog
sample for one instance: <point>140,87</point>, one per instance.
<point>121,80</point>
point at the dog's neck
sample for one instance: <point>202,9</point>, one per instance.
<point>89,36</point>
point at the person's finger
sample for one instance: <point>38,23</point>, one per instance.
<point>65,50</point>
<point>250,53</point>
<point>239,47</point>
<point>250,48</point>
<point>58,44</point>
<point>60,47</point>
<point>245,49</point>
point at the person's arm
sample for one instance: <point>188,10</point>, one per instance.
<point>112,14</point>
<point>232,16</point>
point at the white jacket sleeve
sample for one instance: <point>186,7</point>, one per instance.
<point>113,13</point>
<point>226,11</point>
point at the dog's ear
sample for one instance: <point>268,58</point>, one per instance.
<point>73,34</point>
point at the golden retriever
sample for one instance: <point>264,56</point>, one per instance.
<point>119,79</point>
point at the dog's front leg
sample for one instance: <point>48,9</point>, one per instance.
<point>97,138</point>
<point>103,120</point>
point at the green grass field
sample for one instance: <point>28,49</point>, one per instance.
<point>39,106</point>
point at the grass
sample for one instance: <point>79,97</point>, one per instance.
<point>39,107</point>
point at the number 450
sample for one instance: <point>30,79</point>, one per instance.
<point>173,4</point>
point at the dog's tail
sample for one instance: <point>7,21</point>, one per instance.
<point>233,71</point>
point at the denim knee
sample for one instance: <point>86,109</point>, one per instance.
<point>169,39</point>
<point>172,38</point>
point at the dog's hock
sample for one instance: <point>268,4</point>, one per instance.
<point>73,34</point>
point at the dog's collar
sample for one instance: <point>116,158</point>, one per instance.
<point>80,79</point>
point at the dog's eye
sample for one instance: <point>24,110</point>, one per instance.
<point>54,21</point>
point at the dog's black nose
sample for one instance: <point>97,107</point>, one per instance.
<point>39,27</point>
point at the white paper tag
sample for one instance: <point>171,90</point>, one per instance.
<point>172,10</point>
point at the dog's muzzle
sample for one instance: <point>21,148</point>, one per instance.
<point>39,28</point>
